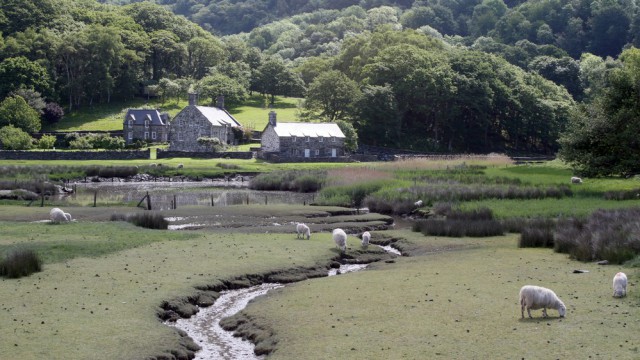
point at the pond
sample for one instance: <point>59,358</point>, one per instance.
<point>163,194</point>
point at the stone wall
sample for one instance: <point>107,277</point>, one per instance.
<point>165,154</point>
<point>75,155</point>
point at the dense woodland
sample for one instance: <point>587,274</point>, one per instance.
<point>519,77</point>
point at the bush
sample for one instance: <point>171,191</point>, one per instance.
<point>19,263</point>
<point>622,195</point>
<point>149,220</point>
<point>13,138</point>
<point>46,142</point>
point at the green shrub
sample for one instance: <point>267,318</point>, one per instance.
<point>46,142</point>
<point>19,263</point>
<point>13,138</point>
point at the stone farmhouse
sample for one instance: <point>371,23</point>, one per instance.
<point>194,122</point>
<point>297,141</point>
<point>145,125</point>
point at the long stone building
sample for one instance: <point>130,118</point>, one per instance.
<point>194,122</point>
<point>297,141</point>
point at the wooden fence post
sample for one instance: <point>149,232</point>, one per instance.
<point>95,197</point>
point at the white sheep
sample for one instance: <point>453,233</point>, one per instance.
<point>576,180</point>
<point>620,285</point>
<point>57,216</point>
<point>537,297</point>
<point>303,230</point>
<point>340,237</point>
<point>366,237</point>
<point>418,203</point>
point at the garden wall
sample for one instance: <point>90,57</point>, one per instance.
<point>75,155</point>
<point>165,154</point>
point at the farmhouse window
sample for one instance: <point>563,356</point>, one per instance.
<point>317,152</point>
<point>320,138</point>
<point>146,123</point>
<point>333,139</point>
<point>179,136</point>
<point>308,139</point>
<point>130,135</point>
<point>130,123</point>
<point>146,135</point>
<point>293,139</point>
<point>153,135</point>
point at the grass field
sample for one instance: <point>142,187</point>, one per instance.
<point>460,304</point>
<point>109,117</point>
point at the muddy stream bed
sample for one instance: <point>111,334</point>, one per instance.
<point>215,342</point>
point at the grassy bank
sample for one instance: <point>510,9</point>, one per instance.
<point>109,117</point>
<point>454,304</point>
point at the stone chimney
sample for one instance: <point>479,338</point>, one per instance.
<point>272,118</point>
<point>193,99</point>
<point>220,102</point>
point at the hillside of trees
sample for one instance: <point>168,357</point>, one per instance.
<point>430,75</point>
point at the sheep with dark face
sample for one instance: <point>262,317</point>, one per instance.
<point>303,230</point>
<point>340,238</point>
<point>366,237</point>
<point>620,285</point>
<point>57,216</point>
<point>536,297</point>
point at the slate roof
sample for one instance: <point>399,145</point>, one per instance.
<point>139,115</point>
<point>312,130</point>
<point>217,116</point>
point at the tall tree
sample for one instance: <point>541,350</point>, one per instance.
<point>602,138</point>
<point>333,95</point>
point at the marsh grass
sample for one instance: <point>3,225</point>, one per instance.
<point>111,171</point>
<point>440,162</point>
<point>20,262</point>
<point>633,194</point>
<point>612,235</point>
<point>300,181</point>
<point>536,233</point>
<point>147,219</point>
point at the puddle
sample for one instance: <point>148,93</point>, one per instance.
<point>390,249</point>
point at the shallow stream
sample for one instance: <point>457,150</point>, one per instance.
<point>204,327</point>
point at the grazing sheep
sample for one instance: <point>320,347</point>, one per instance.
<point>366,237</point>
<point>340,237</point>
<point>303,230</point>
<point>576,180</point>
<point>180,166</point>
<point>57,216</point>
<point>418,203</point>
<point>620,285</point>
<point>537,297</point>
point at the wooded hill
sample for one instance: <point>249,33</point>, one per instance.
<point>456,76</point>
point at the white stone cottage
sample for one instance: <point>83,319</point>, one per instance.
<point>301,140</point>
<point>146,125</point>
<point>194,122</point>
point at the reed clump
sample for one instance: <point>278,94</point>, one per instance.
<point>147,219</point>
<point>20,262</point>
